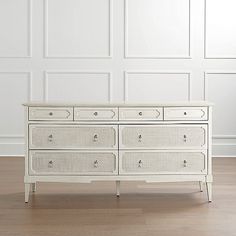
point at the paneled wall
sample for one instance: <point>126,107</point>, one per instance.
<point>116,51</point>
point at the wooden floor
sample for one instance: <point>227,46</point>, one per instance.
<point>93,209</point>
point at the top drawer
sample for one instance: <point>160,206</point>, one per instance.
<point>94,113</point>
<point>185,113</point>
<point>141,113</point>
<point>51,113</point>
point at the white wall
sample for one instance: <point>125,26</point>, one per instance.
<point>117,50</point>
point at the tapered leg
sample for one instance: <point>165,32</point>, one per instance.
<point>117,188</point>
<point>33,187</point>
<point>209,191</point>
<point>201,186</point>
<point>27,192</point>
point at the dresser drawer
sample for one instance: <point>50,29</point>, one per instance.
<point>54,113</point>
<point>141,113</point>
<point>185,113</point>
<point>94,113</point>
<point>157,162</point>
<point>72,136</point>
<point>72,163</point>
<point>163,136</point>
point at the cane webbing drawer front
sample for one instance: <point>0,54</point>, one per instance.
<point>73,163</point>
<point>82,143</point>
<point>163,136</point>
<point>186,113</point>
<point>95,114</point>
<point>141,113</point>
<point>72,136</point>
<point>51,113</point>
<point>161,162</point>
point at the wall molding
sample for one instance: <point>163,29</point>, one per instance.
<point>126,86</point>
<point>46,78</point>
<point>126,54</point>
<point>206,80</point>
<point>29,96</point>
<point>109,56</point>
<point>205,39</point>
<point>29,35</point>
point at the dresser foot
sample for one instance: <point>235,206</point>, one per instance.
<point>118,188</point>
<point>27,192</point>
<point>201,186</point>
<point>209,191</point>
<point>33,187</point>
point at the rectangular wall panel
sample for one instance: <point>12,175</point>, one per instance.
<point>15,89</point>
<point>220,89</point>
<point>157,86</point>
<point>78,28</point>
<point>78,86</point>
<point>15,28</point>
<point>157,28</point>
<point>220,25</point>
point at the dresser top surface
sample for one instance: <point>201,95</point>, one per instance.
<point>166,104</point>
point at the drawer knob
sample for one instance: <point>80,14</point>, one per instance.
<point>140,113</point>
<point>50,138</point>
<point>185,138</point>
<point>185,113</point>
<point>140,138</point>
<point>95,113</point>
<point>185,163</point>
<point>95,138</point>
<point>51,113</point>
<point>50,164</point>
<point>95,164</point>
<point>140,163</point>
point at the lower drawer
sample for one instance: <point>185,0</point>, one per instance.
<point>157,162</point>
<point>73,163</point>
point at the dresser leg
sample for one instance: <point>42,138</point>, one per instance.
<point>27,192</point>
<point>209,191</point>
<point>201,186</point>
<point>117,188</point>
<point>33,185</point>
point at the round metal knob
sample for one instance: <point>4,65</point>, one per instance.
<point>185,163</point>
<point>139,137</point>
<point>95,164</point>
<point>95,138</point>
<point>50,164</point>
<point>51,113</point>
<point>185,113</point>
<point>95,113</point>
<point>140,163</point>
<point>140,113</point>
<point>50,138</point>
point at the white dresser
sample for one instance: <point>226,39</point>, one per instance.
<point>166,142</point>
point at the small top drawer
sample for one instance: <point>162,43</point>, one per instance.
<point>185,113</point>
<point>50,113</point>
<point>94,113</point>
<point>141,113</point>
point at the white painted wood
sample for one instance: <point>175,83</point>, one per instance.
<point>95,113</point>
<point>163,136</point>
<point>65,113</point>
<point>162,162</point>
<point>73,162</point>
<point>185,113</point>
<point>141,113</point>
<point>169,152</point>
<point>73,137</point>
